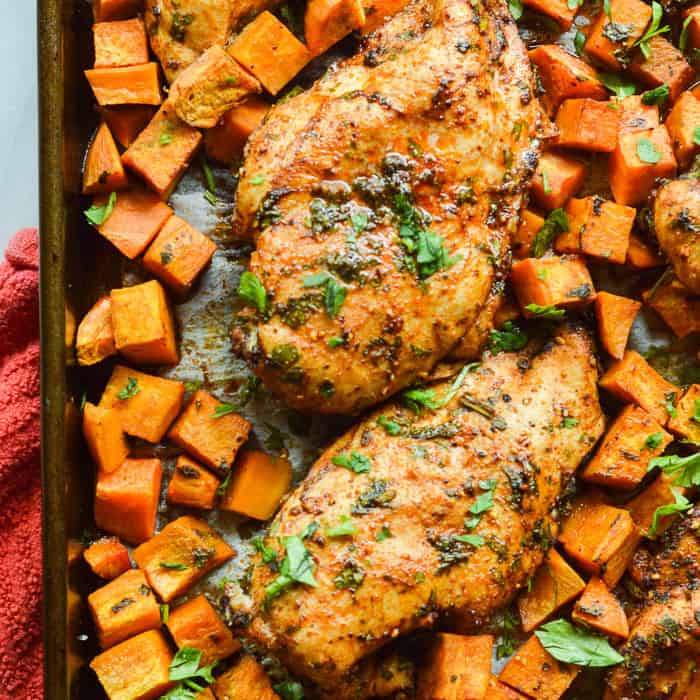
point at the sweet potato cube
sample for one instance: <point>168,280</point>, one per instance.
<point>192,486</point>
<point>600,538</point>
<point>615,316</point>
<point>326,22</point>
<point>587,124</point>
<point>137,669</point>
<point>638,160</point>
<point>448,676</point>
<point>561,11</point>
<point>179,254</point>
<point>555,584</point>
<point>686,422</point>
<point>597,228</point>
<point>137,217</point>
<point>641,256</point>
<point>524,237</point>
<point>682,123</point>
<point>103,170</point>
<point>555,281</point>
<point>643,506</point>
<point>635,115</point>
<point>226,140</point>
<point>107,557</point>
<point>108,10</point>
<point>126,122</point>
<point>210,87</point>
<point>623,456</point>
<point>500,691</point>
<point>120,44</point>
<point>564,76</point>
<point>666,64</point>
<point>600,610</point>
<point>95,338</point>
<point>163,150</point>
<point>183,552</point>
<point>257,486</point>
<point>536,673</point>
<point>211,438</point>
<point>144,328</point>
<point>147,405</point>
<point>130,85</point>
<point>633,380</point>
<point>376,11</point>
<point>556,180</point>
<point>632,15</point>
<point>677,306</point>
<point>105,437</point>
<point>124,607</point>
<point>270,52</point>
<point>197,625</point>
<point>247,679</point>
<point>126,500</point>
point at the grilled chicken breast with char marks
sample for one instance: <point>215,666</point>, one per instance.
<point>381,202</point>
<point>452,511</point>
<point>662,654</point>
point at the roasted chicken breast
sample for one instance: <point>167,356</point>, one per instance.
<point>381,202</point>
<point>662,654</point>
<point>446,512</point>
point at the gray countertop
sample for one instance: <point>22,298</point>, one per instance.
<point>19,183</point>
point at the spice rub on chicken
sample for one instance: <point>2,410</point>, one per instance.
<point>381,202</point>
<point>410,517</point>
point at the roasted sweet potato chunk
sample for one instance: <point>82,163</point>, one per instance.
<point>226,140</point>
<point>126,122</point>
<point>622,458</point>
<point>95,338</point>
<point>247,679</point>
<point>686,422</point>
<point>257,486</point>
<point>665,64</point>
<point>124,607</point>
<point>103,170</point>
<point>130,85</point>
<point>530,224</point>
<point>682,124</point>
<point>500,691</point>
<point>192,485</point>
<point>641,255</point>
<point>600,610</point>
<point>107,557</point>
<point>144,328</point>
<point>635,115</point>
<point>615,316</point>
<point>326,22</point>
<point>210,432</point>
<point>643,506</point>
<point>108,10</point>
<point>556,180</point>
<point>588,125</point>
<point>105,437</point>
<point>137,669</point>
<point>119,44</point>
<point>676,304</point>
<point>196,625</point>
<point>184,551</point>
<point>147,405</point>
<point>126,500</point>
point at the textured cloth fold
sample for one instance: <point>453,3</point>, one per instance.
<point>21,658</point>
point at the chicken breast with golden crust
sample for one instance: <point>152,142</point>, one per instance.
<point>381,202</point>
<point>444,513</point>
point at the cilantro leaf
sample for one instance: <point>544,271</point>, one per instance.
<point>617,85</point>
<point>575,646</point>
<point>509,339</point>
<point>297,567</point>
<point>344,528</point>
<point>579,42</point>
<point>391,427</point>
<point>696,136</point>
<point>185,666</point>
<point>383,534</point>
<point>473,540</point>
<point>356,462</point>
<point>681,505</point>
<point>647,151</point>
<point>686,470</point>
<point>683,38</point>
<point>556,222</point>
<point>251,290</point>
<point>130,390</point>
<point>653,441</point>
<point>289,690</point>
<point>516,9</point>
<point>654,29</point>
<point>657,96</point>
<point>549,313</point>
<point>98,215</point>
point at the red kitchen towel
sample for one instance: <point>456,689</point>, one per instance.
<point>21,657</point>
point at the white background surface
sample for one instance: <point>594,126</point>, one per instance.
<point>19,169</point>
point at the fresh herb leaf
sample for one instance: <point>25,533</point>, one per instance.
<point>549,313</point>
<point>289,690</point>
<point>483,503</point>
<point>174,566</point>
<point>165,139</point>
<point>606,7</point>
<point>617,84</point>
<point>686,470</point>
<point>257,180</point>
<point>335,297</point>
<point>418,398</point>
<point>473,540</point>
<point>657,96</point>
<point>509,339</point>
<point>98,215</point>
<point>573,4</point>
<point>164,614</point>
<point>251,289</point>
<point>647,151</point>
<point>391,427</point>
<point>681,505</point>
<point>223,486</point>
<point>556,222</point>
<point>575,646</point>
<point>336,342</point>
<point>653,441</point>
<point>579,42</point>
<point>359,221</point>
<point>696,136</point>
<point>569,422</point>
<point>683,38</point>
<point>318,279</point>
<point>356,462</point>
<point>297,567</point>
<point>516,9</point>
<point>130,390</point>
<point>344,528</point>
<point>654,29</point>
<point>209,182</point>
<point>268,554</point>
<point>223,409</point>
<point>383,534</point>
<point>185,666</point>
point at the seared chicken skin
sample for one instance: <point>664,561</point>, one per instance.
<point>180,30</point>
<point>662,654</point>
<point>381,202</point>
<point>449,511</point>
<point>677,224</point>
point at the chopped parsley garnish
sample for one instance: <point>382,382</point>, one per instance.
<point>683,39</point>
<point>647,151</point>
<point>548,313</point>
<point>297,567</point>
<point>223,486</point>
<point>343,529</point>
<point>98,215</point>
<point>130,390</point>
<point>686,470</point>
<point>251,290</point>
<point>336,342</point>
<point>335,292</point>
<point>556,222</point>
<point>223,409</point>
<point>681,505</point>
<point>617,85</point>
<point>654,29</point>
<point>377,495</point>
<point>356,462</point>
<point>657,96</point>
<point>579,42</point>
<point>653,441</point>
<point>516,9</point>
<point>185,667</point>
<point>174,566</point>
<point>509,339</point>
<point>473,540</point>
<point>418,398</point>
<point>165,139</point>
<point>568,422</point>
<point>289,690</point>
<point>350,578</point>
<point>257,180</point>
<point>383,534</point>
<point>391,427</point>
<point>268,554</point>
<point>696,411</point>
